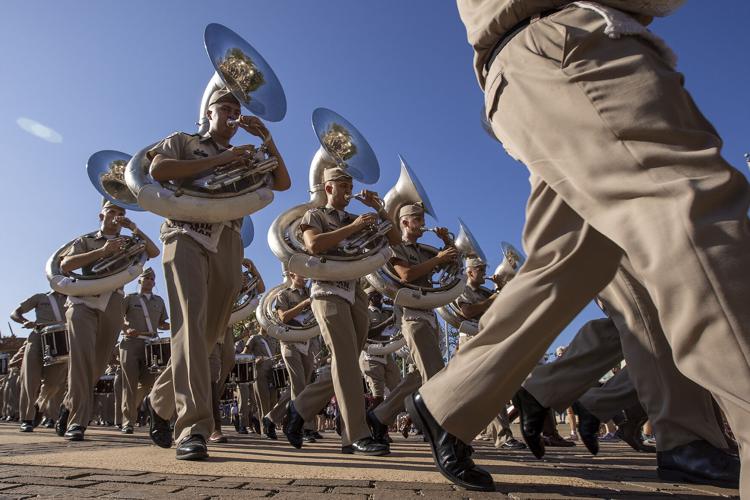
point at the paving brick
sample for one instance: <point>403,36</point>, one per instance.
<point>221,493</point>
<point>142,491</point>
<point>142,479</point>
<point>317,496</point>
<point>414,486</point>
<point>52,491</point>
<point>332,482</point>
<point>202,484</point>
<point>260,482</point>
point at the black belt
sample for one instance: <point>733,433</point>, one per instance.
<point>508,36</point>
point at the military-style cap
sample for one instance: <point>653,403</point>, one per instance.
<point>411,209</point>
<point>147,272</point>
<point>108,204</point>
<point>222,95</point>
<point>334,174</point>
<point>475,262</point>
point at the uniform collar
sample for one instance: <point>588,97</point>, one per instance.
<point>208,138</point>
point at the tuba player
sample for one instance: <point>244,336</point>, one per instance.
<point>202,268</point>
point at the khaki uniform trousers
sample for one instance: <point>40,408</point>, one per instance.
<point>621,161</point>
<point>380,375</point>
<point>222,363</point>
<point>245,404</point>
<point>118,397</point>
<point>202,286</point>
<point>301,368</point>
<point>344,328</point>
<point>137,380</point>
<point>11,393</point>
<point>92,335</point>
<point>52,393</point>
<point>422,339</point>
<point>279,409</point>
<point>33,373</point>
<point>264,396</point>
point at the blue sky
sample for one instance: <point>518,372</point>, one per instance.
<point>120,75</point>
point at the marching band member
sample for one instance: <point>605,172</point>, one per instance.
<point>202,265</point>
<point>48,308</point>
<point>340,307</point>
<point>94,321</point>
<point>472,303</point>
<point>290,305</point>
<point>145,312</point>
<point>381,372</point>
<point>263,348</point>
<point>12,387</point>
<point>419,327</point>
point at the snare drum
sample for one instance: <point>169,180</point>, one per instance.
<point>244,369</point>
<point>280,376</point>
<point>55,347</point>
<point>105,385</point>
<point>158,352</point>
<point>4,360</point>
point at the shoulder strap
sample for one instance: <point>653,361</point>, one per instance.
<point>55,307</point>
<point>146,315</point>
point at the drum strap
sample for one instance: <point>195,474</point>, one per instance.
<point>146,315</point>
<point>55,307</point>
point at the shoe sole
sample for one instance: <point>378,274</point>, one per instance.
<point>198,455</point>
<point>372,453</point>
<point>418,420</point>
<point>682,477</point>
<point>531,447</point>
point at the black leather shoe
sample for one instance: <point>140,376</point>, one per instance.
<point>50,424</point>
<point>269,429</point>
<point>532,415</point>
<point>629,424</point>
<point>556,440</point>
<point>27,426</point>
<point>452,456</point>
<point>347,450</point>
<point>37,417</point>
<point>158,428</point>
<point>256,424</point>
<point>62,421</point>
<point>75,433</point>
<point>317,435</point>
<point>308,437</point>
<point>192,448</point>
<point>700,463</point>
<point>127,430</point>
<point>293,426</point>
<point>588,428</point>
<point>378,429</point>
<point>368,446</point>
<point>243,430</point>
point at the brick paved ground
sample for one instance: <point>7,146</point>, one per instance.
<point>114,466</point>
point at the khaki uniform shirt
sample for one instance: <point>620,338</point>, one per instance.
<point>182,146</point>
<point>42,305</point>
<point>472,296</point>
<point>325,220</point>
<point>487,21</point>
<point>135,318</point>
<point>413,254</point>
<point>86,244</point>
<point>258,345</point>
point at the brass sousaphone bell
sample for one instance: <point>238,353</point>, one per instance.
<point>247,298</point>
<point>228,192</point>
<point>272,325</point>
<point>105,171</point>
<point>512,261</point>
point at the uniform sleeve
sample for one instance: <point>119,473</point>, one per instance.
<point>282,302</point>
<point>312,220</point>
<point>399,253</point>
<point>78,247</point>
<point>30,303</point>
<point>163,317</point>
<point>172,147</point>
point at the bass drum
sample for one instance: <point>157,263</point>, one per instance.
<point>126,266</point>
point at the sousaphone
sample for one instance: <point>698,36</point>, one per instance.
<point>341,145</point>
<point>512,261</point>
<point>247,299</point>
<point>105,171</point>
<point>467,246</point>
<point>228,192</point>
<point>449,285</point>
<point>270,322</point>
